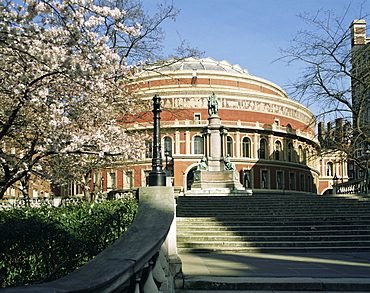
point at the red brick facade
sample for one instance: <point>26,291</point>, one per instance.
<point>252,109</point>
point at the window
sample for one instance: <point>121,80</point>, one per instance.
<point>290,152</point>
<point>264,181</point>
<point>148,149</point>
<point>278,149</point>
<point>146,177</point>
<point>129,179</point>
<point>279,180</point>
<point>301,179</point>
<point>246,147</point>
<point>309,183</point>
<point>167,146</point>
<point>229,146</point>
<point>198,145</point>
<point>247,179</point>
<point>263,149</point>
<point>329,169</point>
<point>291,181</point>
<point>305,154</point>
<point>197,118</point>
<point>300,154</point>
<point>112,181</point>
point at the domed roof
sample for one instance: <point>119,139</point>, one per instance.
<point>192,63</point>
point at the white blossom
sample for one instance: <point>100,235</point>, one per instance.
<point>57,81</point>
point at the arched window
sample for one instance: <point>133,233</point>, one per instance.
<point>329,169</point>
<point>167,146</point>
<point>229,146</point>
<point>246,147</point>
<point>300,154</point>
<point>290,152</point>
<point>198,145</point>
<point>263,149</point>
<point>278,149</point>
<point>305,154</point>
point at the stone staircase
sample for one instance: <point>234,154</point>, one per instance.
<point>273,223</point>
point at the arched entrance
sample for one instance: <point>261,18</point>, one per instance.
<point>190,178</point>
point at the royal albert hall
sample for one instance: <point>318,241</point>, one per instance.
<point>269,137</point>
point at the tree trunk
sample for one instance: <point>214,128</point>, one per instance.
<point>97,185</point>
<point>90,193</point>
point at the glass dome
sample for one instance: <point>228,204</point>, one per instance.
<point>192,64</point>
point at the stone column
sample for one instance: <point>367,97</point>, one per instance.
<point>237,145</point>
<point>256,145</point>
<point>177,142</point>
<point>206,148</point>
<point>214,126</point>
<point>270,147</point>
<point>187,142</point>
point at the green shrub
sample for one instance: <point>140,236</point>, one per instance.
<point>43,244</point>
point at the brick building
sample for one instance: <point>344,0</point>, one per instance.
<point>269,137</point>
<point>360,61</point>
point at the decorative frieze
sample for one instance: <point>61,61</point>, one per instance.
<point>242,104</point>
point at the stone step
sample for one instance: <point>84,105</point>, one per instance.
<point>272,223</point>
<point>222,214</point>
<point>251,206</point>
<point>310,220</point>
<point>219,284</point>
<point>252,230</point>
<point>276,244</point>
<point>272,199</point>
<point>273,249</point>
<point>273,204</point>
<point>273,238</point>
<point>271,233</point>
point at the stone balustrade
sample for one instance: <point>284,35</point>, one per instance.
<point>36,202</point>
<point>350,187</point>
<point>139,261</point>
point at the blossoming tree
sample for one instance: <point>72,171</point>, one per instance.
<point>63,76</point>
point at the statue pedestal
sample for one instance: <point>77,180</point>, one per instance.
<point>215,143</point>
<point>213,183</point>
<point>215,174</point>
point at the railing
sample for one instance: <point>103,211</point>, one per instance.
<point>350,187</point>
<point>136,262</point>
<point>36,202</point>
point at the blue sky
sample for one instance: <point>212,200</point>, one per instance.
<point>249,32</point>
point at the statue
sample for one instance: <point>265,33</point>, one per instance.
<point>212,105</point>
<point>228,165</point>
<point>202,165</point>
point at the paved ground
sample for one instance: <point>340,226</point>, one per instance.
<point>323,265</point>
<point>296,268</point>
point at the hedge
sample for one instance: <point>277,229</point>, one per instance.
<point>46,243</point>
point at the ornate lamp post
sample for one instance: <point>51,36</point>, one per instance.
<point>157,177</point>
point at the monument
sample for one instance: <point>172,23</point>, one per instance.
<point>215,173</point>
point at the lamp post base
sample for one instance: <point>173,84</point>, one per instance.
<point>157,178</point>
